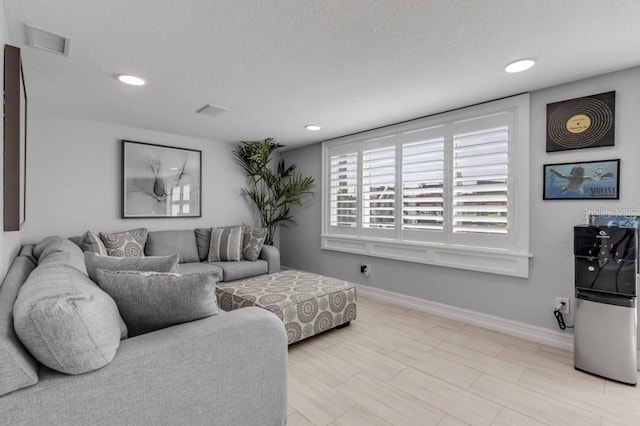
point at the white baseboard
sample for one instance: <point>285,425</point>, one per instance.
<point>514,328</point>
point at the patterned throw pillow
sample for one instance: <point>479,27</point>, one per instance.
<point>125,244</point>
<point>226,244</point>
<point>252,244</point>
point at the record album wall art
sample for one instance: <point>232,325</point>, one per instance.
<point>587,122</point>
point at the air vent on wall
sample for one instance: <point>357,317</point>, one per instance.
<point>48,41</point>
<point>212,110</point>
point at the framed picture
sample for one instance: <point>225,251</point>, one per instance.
<point>587,122</point>
<point>15,141</point>
<point>590,180</point>
<point>160,181</point>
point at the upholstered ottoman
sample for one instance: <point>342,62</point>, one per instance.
<point>307,303</point>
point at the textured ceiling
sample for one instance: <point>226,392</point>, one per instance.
<point>347,65</point>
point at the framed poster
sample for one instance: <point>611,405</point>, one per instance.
<point>587,122</point>
<point>591,180</point>
<point>160,181</point>
<point>15,141</point>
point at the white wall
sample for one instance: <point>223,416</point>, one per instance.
<point>526,300</point>
<point>9,241</point>
<point>74,171</point>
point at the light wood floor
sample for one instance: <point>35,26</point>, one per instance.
<point>397,366</point>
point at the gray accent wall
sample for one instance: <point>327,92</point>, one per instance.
<point>528,300</point>
<point>74,179</point>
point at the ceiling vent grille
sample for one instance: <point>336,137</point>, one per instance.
<point>212,110</point>
<point>48,41</point>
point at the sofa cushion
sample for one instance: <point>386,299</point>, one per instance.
<point>165,243</point>
<point>110,263</point>
<point>60,251</point>
<point>150,301</point>
<point>253,240</point>
<point>18,369</point>
<point>198,267</point>
<point>203,241</point>
<point>92,243</point>
<point>226,244</point>
<point>66,321</point>
<point>243,269</point>
<point>125,244</point>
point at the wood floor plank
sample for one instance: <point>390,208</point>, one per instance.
<point>322,365</point>
<point>451,399</point>
<point>540,362</point>
<point>501,338</point>
<point>297,419</point>
<point>389,403</point>
<point>540,407</point>
<point>384,339</point>
<point>451,421</point>
<point>314,399</point>
<point>492,366</point>
<point>365,359</point>
<point>476,343</point>
<point>449,371</point>
<point>358,416</point>
<point>508,417</point>
<point>599,403</point>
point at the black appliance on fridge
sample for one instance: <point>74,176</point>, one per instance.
<point>605,335</point>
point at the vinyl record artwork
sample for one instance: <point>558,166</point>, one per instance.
<point>587,122</point>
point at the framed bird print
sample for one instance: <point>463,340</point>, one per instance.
<point>160,181</point>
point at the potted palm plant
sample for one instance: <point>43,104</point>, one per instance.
<point>272,191</point>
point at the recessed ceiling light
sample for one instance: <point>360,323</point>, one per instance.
<point>312,127</point>
<point>130,79</point>
<point>519,65</point>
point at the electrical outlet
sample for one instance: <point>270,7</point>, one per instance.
<point>564,301</point>
<point>365,269</point>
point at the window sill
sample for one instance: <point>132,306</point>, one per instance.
<point>501,262</point>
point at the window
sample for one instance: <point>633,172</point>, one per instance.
<point>441,190</point>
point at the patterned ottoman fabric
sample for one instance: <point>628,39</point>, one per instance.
<point>307,303</point>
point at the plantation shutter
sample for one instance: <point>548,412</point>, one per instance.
<point>378,185</point>
<point>480,196</point>
<point>423,185</point>
<point>343,184</point>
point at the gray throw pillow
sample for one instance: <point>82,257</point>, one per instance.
<point>60,251</point>
<point>150,301</point>
<point>125,244</point>
<point>95,262</point>
<point>252,243</point>
<point>226,244</point>
<point>66,321</point>
<point>164,243</point>
<point>92,243</point>
<point>203,241</point>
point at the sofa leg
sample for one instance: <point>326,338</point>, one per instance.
<point>346,324</point>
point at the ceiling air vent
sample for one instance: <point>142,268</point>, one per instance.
<point>212,110</point>
<point>45,40</point>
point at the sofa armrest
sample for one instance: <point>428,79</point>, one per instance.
<point>272,255</point>
<point>229,369</point>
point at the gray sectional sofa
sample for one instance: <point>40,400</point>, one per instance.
<point>226,369</point>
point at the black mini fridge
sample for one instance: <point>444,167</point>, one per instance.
<point>605,335</point>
